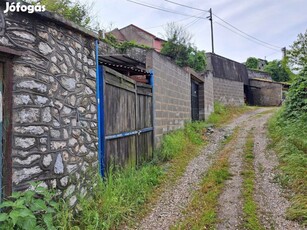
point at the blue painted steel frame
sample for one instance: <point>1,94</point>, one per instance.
<point>126,134</point>
<point>152,83</point>
<point>100,112</point>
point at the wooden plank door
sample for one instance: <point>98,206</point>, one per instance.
<point>195,100</point>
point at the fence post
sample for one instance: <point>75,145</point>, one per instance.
<point>100,112</point>
<point>152,83</point>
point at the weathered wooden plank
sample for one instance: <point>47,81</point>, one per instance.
<point>128,107</point>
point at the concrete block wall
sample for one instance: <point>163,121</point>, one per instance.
<point>172,88</point>
<point>258,74</point>
<point>208,94</point>
<point>228,92</point>
<point>265,93</point>
<point>201,92</point>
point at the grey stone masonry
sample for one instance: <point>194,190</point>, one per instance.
<point>172,90</point>
<point>54,105</point>
<point>228,92</point>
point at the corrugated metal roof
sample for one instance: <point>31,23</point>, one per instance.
<point>124,64</point>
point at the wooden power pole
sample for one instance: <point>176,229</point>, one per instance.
<point>211,21</point>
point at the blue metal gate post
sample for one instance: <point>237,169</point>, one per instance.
<point>100,112</point>
<point>152,83</point>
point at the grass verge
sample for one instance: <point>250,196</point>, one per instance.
<point>290,143</point>
<point>222,114</point>
<point>201,213</point>
<point>126,196</point>
<point>250,220</point>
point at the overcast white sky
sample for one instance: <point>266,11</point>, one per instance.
<point>277,22</point>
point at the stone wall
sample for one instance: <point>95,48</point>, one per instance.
<point>258,74</point>
<point>172,88</point>
<point>265,93</point>
<point>228,92</point>
<point>54,105</point>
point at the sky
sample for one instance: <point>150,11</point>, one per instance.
<point>273,24</point>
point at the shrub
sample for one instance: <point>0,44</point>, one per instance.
<point>33,209</point>
<point>296,102</point>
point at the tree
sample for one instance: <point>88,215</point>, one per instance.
<point>277,70</point>
<point>179,47</point>
<point>252,63</point>
<point>298,52</point>
<point>72,10</point>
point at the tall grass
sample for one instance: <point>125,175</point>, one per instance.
<point>201,213</point>
<point>290,142</point>
<point>223,113</point>
<point>123,196</point>
<point>174,143</point>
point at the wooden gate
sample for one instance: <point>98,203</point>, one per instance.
<point>128,120</point>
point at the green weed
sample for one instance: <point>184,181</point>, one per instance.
<point>223,114</point>
<point>250,220</point>
<point>290,142</point>
<point>201,213</point>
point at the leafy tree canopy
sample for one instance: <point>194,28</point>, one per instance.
<point>180,48</point>
<point>72,10</point>
<point>252,63</point>
<point>297,54</point>
<point>277,70</point>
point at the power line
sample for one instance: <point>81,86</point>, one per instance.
<point>245,36</point>
<point>246,33</point>
<point>224,22</point>
<point>190,7</point>
<point>163,9</point>
<point>192,22</point>
<point>187,18</point>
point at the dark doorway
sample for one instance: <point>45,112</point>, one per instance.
<point>195,100</point>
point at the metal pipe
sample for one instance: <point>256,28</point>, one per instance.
<point>126,134</point>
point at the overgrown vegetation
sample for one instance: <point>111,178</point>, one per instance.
<point>33,209</point>
<point>278,70</point>
<point>289,141</point>
<point>122,46</point>
<point>252,63</point>
<point>250,220</point>
<point>124,194</point>
<point>297,54</point>
<point>179,47</point>
<point>119,199</point>
<point>201,213</point>
<point>288,131</point>
<point>223,113</point>
<point>75,11</point>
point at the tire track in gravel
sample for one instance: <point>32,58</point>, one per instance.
<point>168,208</point>
<point>230,209</point>
<point>268,194</point>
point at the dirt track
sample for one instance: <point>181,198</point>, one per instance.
<point>168,209</point>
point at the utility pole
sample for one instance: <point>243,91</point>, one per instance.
<point>211,21</point>
<point>284,51</point>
